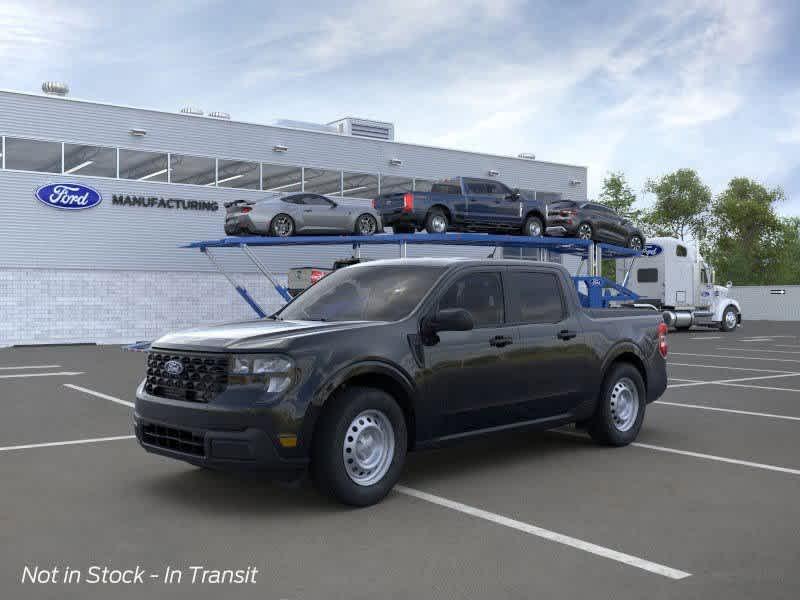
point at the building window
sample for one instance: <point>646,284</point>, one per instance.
<point>195,170</point>
<point>396,185</point>
<point>280,178</point>
<point>423,185</point>
<point>323,181</point>
<point>90,160</point>
<point>238,174</point>
<point>33,155</point>
<point>144,166</point>
<point>360,185</point>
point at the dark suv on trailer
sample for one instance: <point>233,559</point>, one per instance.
<point>386,356</point>
<point>592,221</point>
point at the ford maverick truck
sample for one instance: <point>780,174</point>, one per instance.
<point>464,204</point>
<point>388,356</point>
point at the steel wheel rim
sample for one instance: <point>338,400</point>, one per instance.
<point>282,226</point>
<point>636,243</point>
<point>730,319</point>
<point>585,232</point>
<point>534,228</point>
<point>368,447</point>
<point>439,224</point>
<point>366,225</point>
<point>624,404</point>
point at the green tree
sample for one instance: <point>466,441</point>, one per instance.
<point>681,205</point>
<point>749,244</point>
<point>618,195</point>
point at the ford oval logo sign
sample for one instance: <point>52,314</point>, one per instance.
<point>652,250</point>
<point>173,367</point>
<point>68,196</point>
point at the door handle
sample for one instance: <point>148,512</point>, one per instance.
<point>499,341</point>
<point>566,334</point>
<point>308,210</point>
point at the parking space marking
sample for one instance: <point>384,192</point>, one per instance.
<point>712,457</point>
<point>786,345</point>
<point>19,375</point>
<point>99,395</point>
<point>726,367</point>
<point>68,443</point>
<point>791,360</point>
<point>30,367</point>
<point>724,381</point>
<point>761,387</point>
<point>729,410</point>
<point>760,350</point>
<point>711,337</point>
<point>608,553</point>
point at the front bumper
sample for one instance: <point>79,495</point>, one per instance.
<point>229,438</point>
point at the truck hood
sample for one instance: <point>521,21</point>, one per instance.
<point>248,335</point>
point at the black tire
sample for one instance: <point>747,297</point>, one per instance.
<point>604,426</point>
<point>534,227</point>
<point>433,220</point>
<point>361,230</point>
<point>581,231</point>
<point>636,242</point>
<point>276,225</point>
<point>728,323</point>
<point>328,466</point>
<point>403,229</point>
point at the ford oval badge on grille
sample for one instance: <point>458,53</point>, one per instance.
<point>68,196</point>
<point>173,367</point>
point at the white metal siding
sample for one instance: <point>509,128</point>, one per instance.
<point>759,303</point>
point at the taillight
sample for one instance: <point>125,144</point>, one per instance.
<point>569,213</point>
<point>408,202</point>
<point>374,203</point>
<point>316,275</point>
<point>662,339</point>
<point>246,209</point>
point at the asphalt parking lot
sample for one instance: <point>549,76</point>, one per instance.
<point>705,505</point>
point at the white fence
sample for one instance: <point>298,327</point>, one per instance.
<point>768,302</point>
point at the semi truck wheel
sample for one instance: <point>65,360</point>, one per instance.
<point>620,410</point>
<point>359,448</point>
<point>730,319</point>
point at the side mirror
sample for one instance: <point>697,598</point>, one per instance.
<point>514,195</point>
<point>449,319</point>
<point>333,204</point>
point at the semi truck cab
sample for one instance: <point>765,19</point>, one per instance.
<point>672,276</point>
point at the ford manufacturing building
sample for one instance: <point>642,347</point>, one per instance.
<point>115,273</point>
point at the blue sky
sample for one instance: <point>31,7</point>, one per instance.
<point>640,87</point>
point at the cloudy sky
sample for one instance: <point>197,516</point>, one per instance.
<point>641,87</point>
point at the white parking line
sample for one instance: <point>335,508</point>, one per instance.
<point>729,410</point>
<point>761,387</point>
<point>725,367</point>
<point>786,345</point>
<point>724,381</point>
<point>18,375</point>
<point>30,367</point>
<point>99,395</point>
<point>791,360</point>
<point>760,350</point>
<point>546,534</point>
<point>702,337</point>
<point>753,340</point>
<point>68,443</point>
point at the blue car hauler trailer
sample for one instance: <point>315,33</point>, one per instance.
<point>599,291</point>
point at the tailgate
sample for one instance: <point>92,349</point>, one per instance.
<point>389,203</point>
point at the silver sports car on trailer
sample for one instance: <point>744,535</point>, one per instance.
<point>283,215</point>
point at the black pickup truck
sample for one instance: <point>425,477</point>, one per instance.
<point>384,357</point>
<point>464,204</point>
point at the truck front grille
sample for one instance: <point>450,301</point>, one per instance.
<point>199,378</point>
<point>179,440</point>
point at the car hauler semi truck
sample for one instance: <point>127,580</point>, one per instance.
<point>673,277</point>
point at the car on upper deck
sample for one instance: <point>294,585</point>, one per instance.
<point>593,221</point>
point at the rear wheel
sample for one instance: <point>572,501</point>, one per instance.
<point>585,231</point>
<point>366,224</point>
<point>533,227</point>
<point>730,319</point>
<point>360,446</point>
<point>635,242</point>
<point>436,222</point>
<point>620,410</point>
<point>282,225</point>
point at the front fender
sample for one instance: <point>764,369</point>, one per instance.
<point>720,308</point>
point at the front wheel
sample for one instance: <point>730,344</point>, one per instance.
<point>730,319</point>
<point>366,224</point>
<point>533,227</point>
<point>360,446</point>
<point>620,410</point>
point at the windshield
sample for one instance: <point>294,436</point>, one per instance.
<point>364,293</point>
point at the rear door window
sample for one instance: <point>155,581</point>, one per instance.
<point>481,294</point>
<point>535,297</point>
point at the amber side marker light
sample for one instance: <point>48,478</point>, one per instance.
<point>287,440</point>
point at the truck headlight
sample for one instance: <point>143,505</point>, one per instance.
<point>274,371</point>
